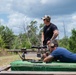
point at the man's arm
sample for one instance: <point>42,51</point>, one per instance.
<point>55,34</point>
<point>42,39</point>
<point>49,58</point>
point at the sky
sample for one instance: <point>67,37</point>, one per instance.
<point>16,13</point>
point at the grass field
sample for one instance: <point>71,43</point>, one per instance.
<point>5,60</point>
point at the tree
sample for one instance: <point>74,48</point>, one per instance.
<point>69,43</point>
<point>41,29</point>
<point>2,45</point>
<point>1,29</point>
<point>8,37</point>
<point>24,41</point>
<point>32,33</point>
<point>64,42</point>
<point>72,41</point>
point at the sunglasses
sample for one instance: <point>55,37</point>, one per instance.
<point>43,19</point>
<point>52,46</point>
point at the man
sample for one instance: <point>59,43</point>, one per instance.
<point>50,31</point>
<point>59,53</point>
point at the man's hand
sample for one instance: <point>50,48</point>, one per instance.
<point>42,43</point>
<point>47,59</point>
<point>48,42</point>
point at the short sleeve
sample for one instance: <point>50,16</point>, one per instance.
<point>43,29</point>
<point>54,53</point>
<point>54,27</point>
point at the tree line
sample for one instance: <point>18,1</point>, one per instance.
<point>31,36</point>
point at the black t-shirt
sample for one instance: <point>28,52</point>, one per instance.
<point>48,32</point>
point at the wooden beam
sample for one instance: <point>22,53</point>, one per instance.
<point>5,68</point>
<point>18,50</point>
<point>36,73</point>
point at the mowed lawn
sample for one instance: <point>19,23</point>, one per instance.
<point>6,60</point>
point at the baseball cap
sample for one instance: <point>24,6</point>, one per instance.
<point>47,17</point>
<point>54,43</point>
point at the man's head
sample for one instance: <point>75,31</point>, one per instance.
<point>46,19</point>
<point>53,45</point>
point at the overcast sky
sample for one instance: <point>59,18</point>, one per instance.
<point>16,13</point>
